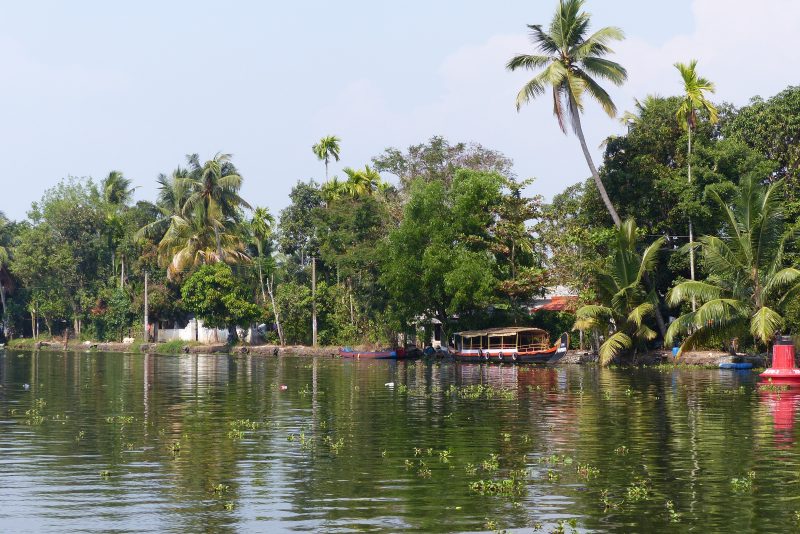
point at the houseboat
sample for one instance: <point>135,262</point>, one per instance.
<point>509,344</point>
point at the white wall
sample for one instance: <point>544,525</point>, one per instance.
<point>194,331</point>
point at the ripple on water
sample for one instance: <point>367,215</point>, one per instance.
<point>150,443</point>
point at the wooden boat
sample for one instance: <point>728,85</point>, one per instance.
<point>510,344</point>
<point>347,352</point>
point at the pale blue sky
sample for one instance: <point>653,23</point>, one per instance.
<point>88,87</point>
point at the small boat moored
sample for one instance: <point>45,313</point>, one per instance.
<point>348,352</point>
<point>736,365</point>
<point>509,344</point>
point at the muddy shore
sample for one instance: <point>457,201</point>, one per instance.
<point>705,358</point>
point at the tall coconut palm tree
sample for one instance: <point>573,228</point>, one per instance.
<point>261,227</point>
<point>117,193</point>
<point>215,194</point>
<point>173,191</point>
<point>694,100</point>
<point>117,189</point>
<point>327,148</point>
<point>570,60</point>
<point>190,241</point>
<point>625,301</point>
<point>748,287</point>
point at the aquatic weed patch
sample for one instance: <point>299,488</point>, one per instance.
<point>743,484</point>
<point>506,486</point>
<point>119,419</point>
<point>481,391</point>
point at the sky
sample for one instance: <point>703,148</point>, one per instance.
<point>87,87</point>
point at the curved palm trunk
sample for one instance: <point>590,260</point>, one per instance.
<point>598,182</point>
<point>691,229</point>
<point>270,283</point>
<point>662,328</point>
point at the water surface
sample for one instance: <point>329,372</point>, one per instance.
<point>113,442</point>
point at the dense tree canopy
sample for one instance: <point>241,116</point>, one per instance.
<point>441,231</point>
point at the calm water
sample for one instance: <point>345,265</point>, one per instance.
<point>101,442</point>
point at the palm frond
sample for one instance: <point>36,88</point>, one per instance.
<point>638,314</point>
<point>686,291</point>
<point>650,258</point>
<point>592,316</point>
<point>765,323</point>
<point>788,276</point>
<point>615,345</point>
<point>528,61</point>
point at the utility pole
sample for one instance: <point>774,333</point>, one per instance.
<point>314,301</point>
<point>146,322</point>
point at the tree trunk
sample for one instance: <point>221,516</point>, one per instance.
<point>233,337</point>
<point>261,281</point>
<point>600,187</point>
<point>352,310</point>
<point>691,228</point>
<point>122,272</point>
<point>313,301</point>
<point>4,317</point>
<point>270,285</point>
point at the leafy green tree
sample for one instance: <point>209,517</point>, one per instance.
<point>297,232</point>
<point>694,99</point>
<point>112,315</point>
<point>438,160</point>
<point>261,228</point>
<point>748,286</point>
<point>349,229</point>
<point>571,60</point>
<point>66,245</point>
<point>294,301</point>
<point>437,262</point>
<point>47,303</point>
<point>772,127</point>
<point>574,246</point>
<point>327,148</point>
<point>625,302</point>
<point>213,294</point>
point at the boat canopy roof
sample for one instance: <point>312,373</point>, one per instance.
<point>503,331</point>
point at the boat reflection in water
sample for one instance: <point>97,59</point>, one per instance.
<point>782,406</point>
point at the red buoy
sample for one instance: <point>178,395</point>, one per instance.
<point>783,367</point>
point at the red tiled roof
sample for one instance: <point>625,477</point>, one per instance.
<point>564,303</point>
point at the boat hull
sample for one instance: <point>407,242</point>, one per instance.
<point>531,357</point>
<point>372,355</point>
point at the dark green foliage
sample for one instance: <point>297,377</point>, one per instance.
<point>297,232</point>
<point>438,160</point>
<point>215,296</point>
<point>294,301</point>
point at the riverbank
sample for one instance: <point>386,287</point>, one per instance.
<point>169,348</point>
<point>702,358</point>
